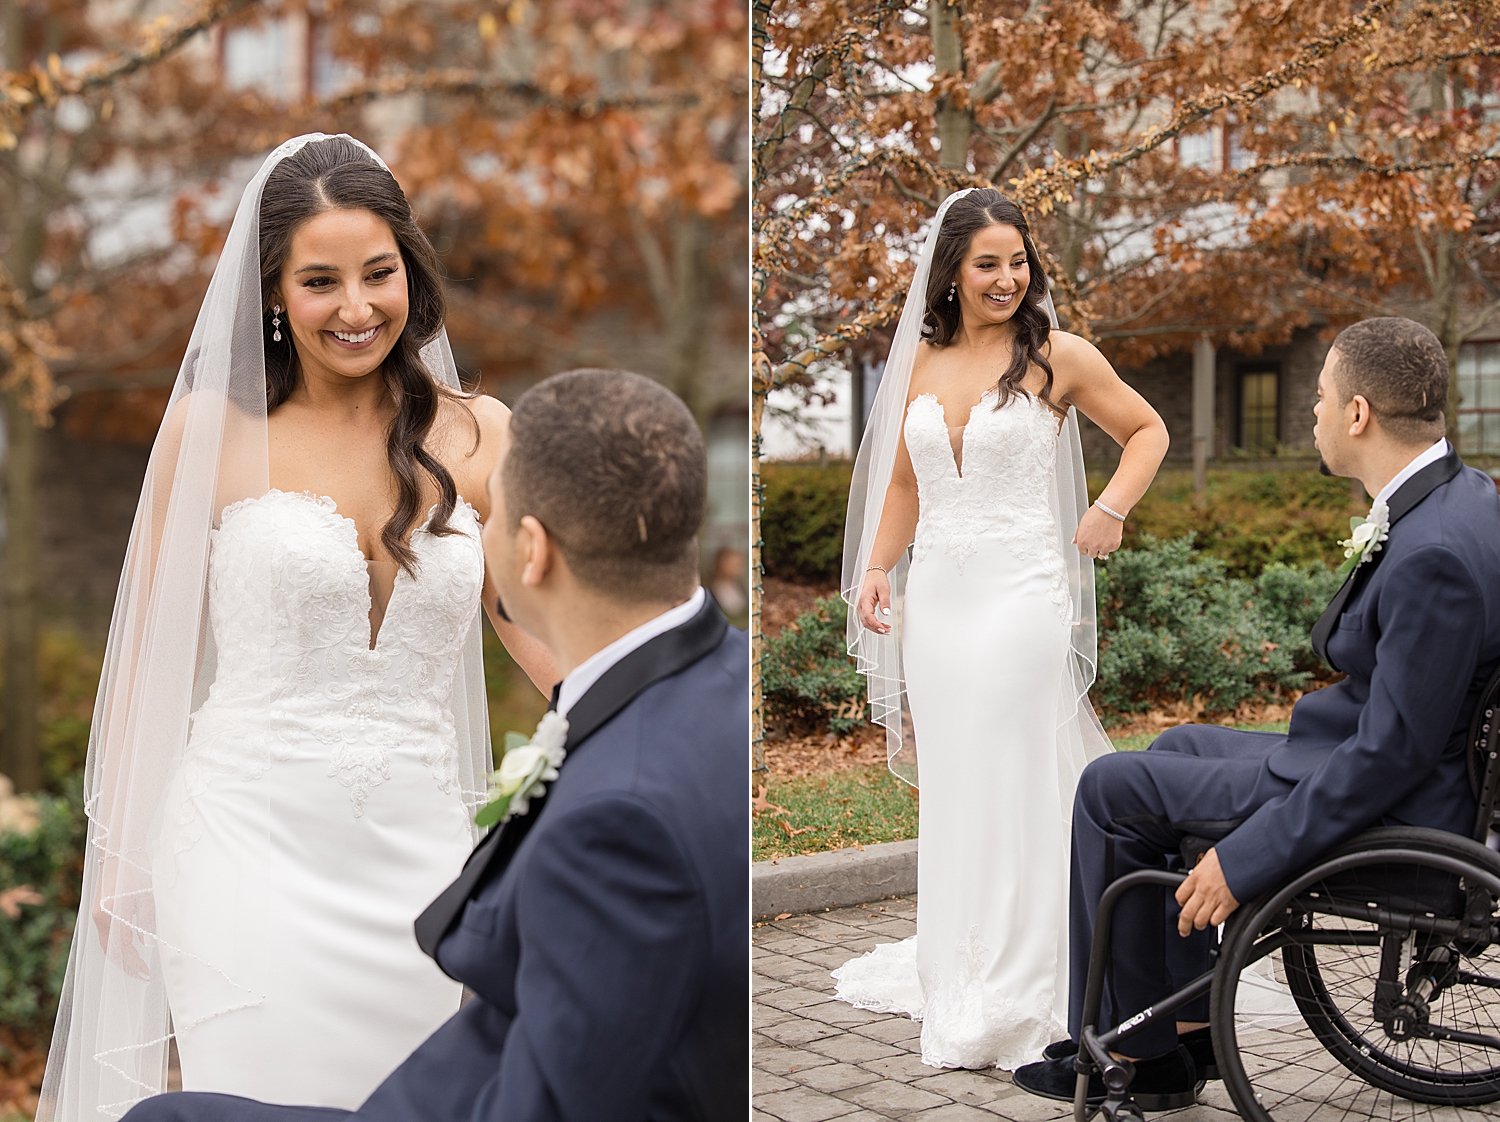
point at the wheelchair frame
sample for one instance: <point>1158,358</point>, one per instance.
<point>1117,1075</point>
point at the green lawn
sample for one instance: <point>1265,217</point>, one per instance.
<point>858,807</point>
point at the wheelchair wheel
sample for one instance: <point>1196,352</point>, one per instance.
<point>1369,987</point>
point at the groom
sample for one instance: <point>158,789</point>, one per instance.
<point>1416,629</point>
<point>603,930</point>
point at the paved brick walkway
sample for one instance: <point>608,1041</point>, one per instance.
<point>817,1058</point>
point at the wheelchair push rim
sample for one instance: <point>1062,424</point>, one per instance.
<point>1385,1008</point>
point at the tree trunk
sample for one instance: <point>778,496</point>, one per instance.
<point>20,749</point>
<point>757,594</point>
<point>688,326</point>
<point>1445,326</point>
<point>953,122</point>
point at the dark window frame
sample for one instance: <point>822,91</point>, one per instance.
<point>1241,371</point>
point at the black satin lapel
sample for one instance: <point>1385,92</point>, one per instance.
<point>616,688</point>
<point>1407,496</point>
<point>1424,483</point>
<point>660,658</point>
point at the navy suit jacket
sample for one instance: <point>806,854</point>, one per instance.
<point>605,939</point>
<point>1418,636</point>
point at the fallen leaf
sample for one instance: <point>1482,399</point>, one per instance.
<point>783,915</point>
<point>761,803</point>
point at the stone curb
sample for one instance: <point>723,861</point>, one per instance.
<point>838,879</point>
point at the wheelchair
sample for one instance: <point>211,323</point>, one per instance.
<point>1368,987</point>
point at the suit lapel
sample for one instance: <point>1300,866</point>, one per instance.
<point>1407,496</point>
<point>617,687</point>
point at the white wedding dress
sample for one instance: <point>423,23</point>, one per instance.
<point>316,810</point>
<point>985,647</point>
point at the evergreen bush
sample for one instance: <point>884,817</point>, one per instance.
<point>41,862</point>
<point>1173,625</point>
<point>802,520</point>
<point>808,679</point>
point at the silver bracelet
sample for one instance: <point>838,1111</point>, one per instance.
<point>1115,514</point>
<point>874,568</point>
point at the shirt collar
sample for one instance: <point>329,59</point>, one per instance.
<point>1423,458</point>
<point>591,669</point>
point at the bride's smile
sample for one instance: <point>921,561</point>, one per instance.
<point>345,293</point>
<point>993,276</point>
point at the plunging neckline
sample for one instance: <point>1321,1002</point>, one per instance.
<point>956,451</point>
<point>330,505</point>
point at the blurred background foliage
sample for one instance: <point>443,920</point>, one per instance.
<point>581,167</point>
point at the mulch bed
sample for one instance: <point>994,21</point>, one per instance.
<point>795,756</point>
<point>782,601</point>
<point>21,1067</point>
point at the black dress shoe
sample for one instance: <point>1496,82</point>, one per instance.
<point>1060,1049</point>
<point>1198,1042</point>
<point>1168,1082</point>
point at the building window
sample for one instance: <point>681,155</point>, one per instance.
<point>1259,414</point>
<point>1197,150</point>
<point>270,57</point>
<point>1479,399</point>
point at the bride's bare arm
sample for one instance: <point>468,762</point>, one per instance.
<point>898,525</point>
<point>1086,379</point>
<point>494,438</point>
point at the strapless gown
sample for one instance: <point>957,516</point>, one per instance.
<point>316,810</point>
<point>985,636</point>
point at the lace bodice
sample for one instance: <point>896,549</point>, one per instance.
<point>1005,487</point>
<point>289,604</point>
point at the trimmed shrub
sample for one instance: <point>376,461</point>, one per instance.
<point>808,679</point>
<point>1250,519</point>
<point>1174,625</point>
<point>802,520</point>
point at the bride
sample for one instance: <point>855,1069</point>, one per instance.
<point>290,737</point>
<point>979,649</point>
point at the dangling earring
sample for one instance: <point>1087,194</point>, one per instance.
<point>276,323</point>
<point>952,291</point>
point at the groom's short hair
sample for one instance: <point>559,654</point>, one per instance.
<point>1399,367</point>
<point>613,465</point>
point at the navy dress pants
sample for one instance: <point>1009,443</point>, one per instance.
<point>1131,811</point>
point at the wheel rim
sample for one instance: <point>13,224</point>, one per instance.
<point>1325,1054</point>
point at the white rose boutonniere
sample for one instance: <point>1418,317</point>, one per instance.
<point>525,770</point>
<point>1365,539</point>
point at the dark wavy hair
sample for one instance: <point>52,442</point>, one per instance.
<point>940,323</point>
<point>336,174</point>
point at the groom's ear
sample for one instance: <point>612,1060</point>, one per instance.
<point>538,552</point>
<point>1358,413</point>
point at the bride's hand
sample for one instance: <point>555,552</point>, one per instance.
<point>117,940</point>
<point>875,593</point>
<point>1098,534</point>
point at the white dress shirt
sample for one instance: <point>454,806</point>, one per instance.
<point>589,671</point>
<point>1423,458</point>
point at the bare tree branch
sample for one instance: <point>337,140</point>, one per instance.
<point>21,93</point>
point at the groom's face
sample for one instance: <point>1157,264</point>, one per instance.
<point>502,550</point>
<point>1330,425</point>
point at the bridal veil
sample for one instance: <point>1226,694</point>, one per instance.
<point>1081,738</point>
<point>110,1045</point>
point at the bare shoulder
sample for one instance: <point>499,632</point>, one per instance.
<point>474,432</point>
<point>1064,346</point>
<point>921,369</point>
<point>1076,363</point>
<point>492,416</point>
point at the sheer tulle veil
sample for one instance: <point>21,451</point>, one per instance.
<point>878,657</point>
<point>114,1025</point>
